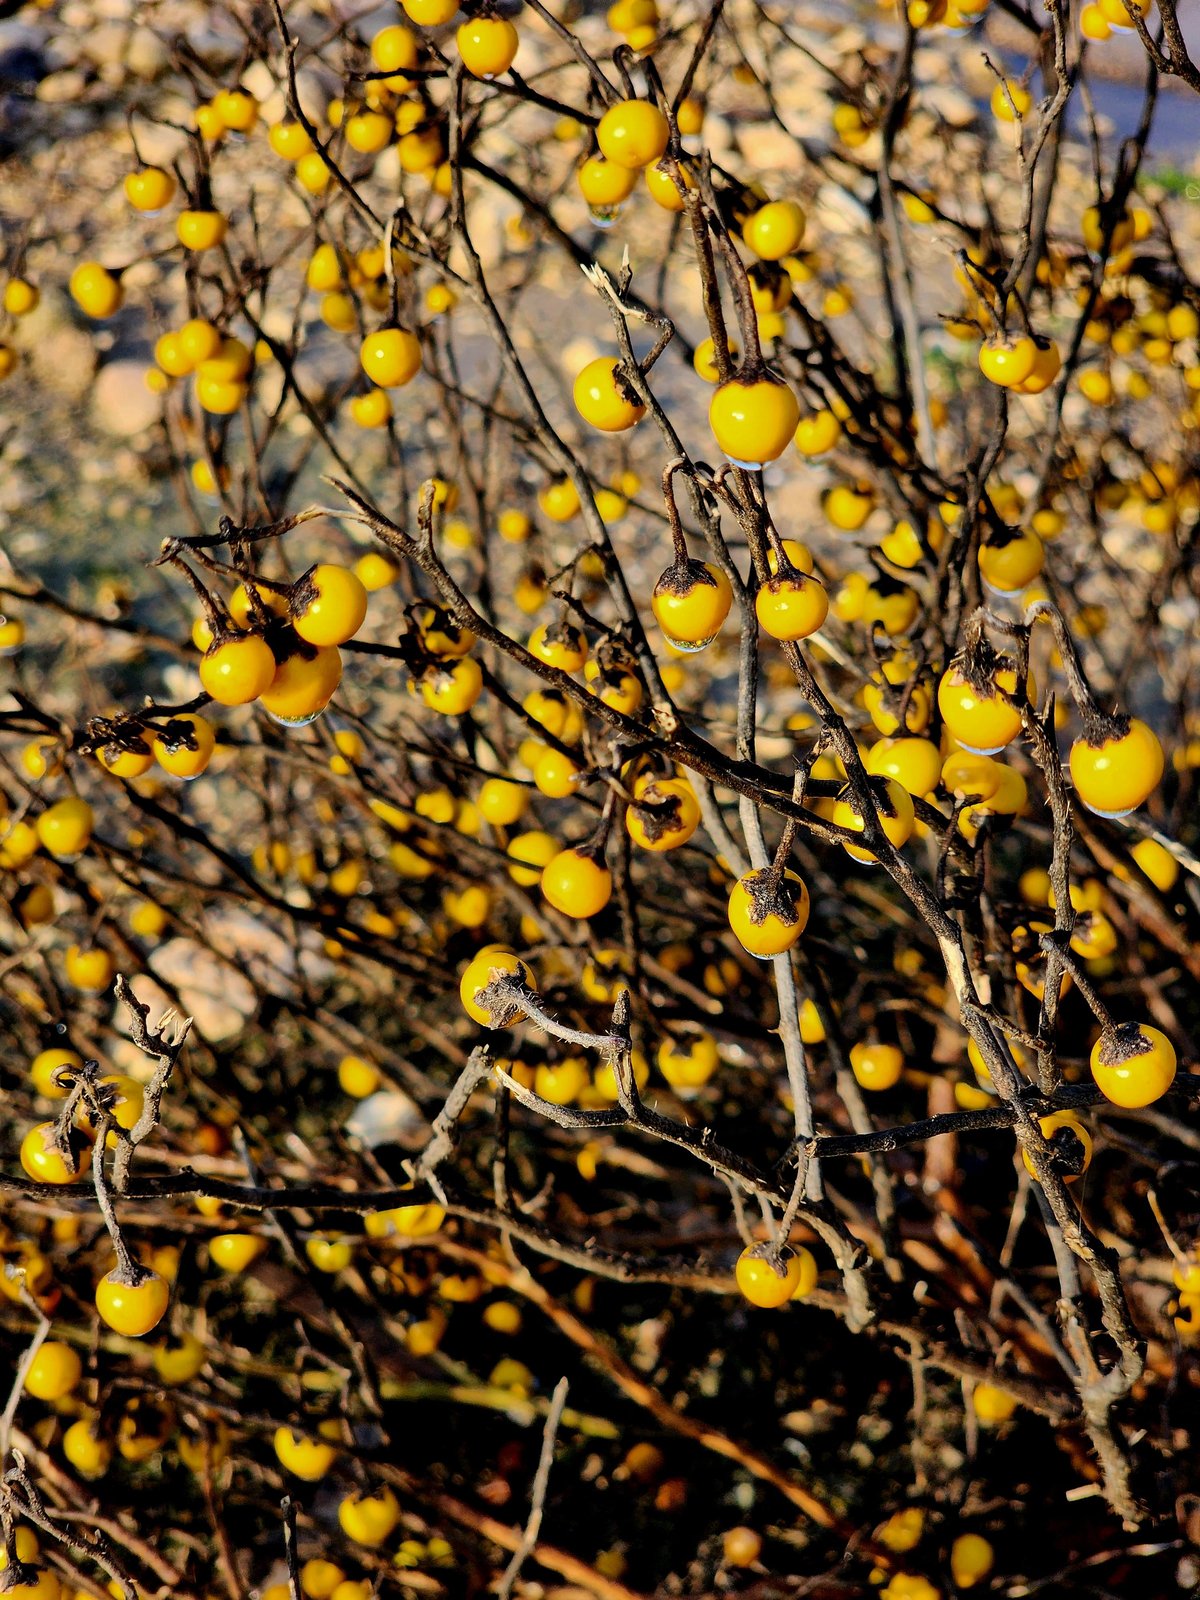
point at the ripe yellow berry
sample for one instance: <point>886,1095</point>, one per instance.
<point>771,1282</point>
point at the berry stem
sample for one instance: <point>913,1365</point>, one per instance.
<point>710,286</point>
<point>215,614</point>
<point>622,57</point>
<point>783,854</point>
<point>676,524</point>
<point>1098,725</point>
<point>753,366</point>
<point>1058,944</point>
<point>128,1271</point>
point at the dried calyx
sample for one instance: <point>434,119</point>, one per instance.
<point>1068,1152</point>
<point>177,734</point>
<point>659,811</point>
<point>979,664</point>
<point>772,895</point>
<point>681,577</point>
<point>880,794</point>
<point>1121,1042</point>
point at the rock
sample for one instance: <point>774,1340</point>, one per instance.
<point>62,51</point>
<point>62,360</point>
<point>320,366</point>
<point>20,35</point>
<point>277,322</point>
<point>297,423</point>
<point>268,387</point>
<point>839,212</point>
<point>931,65</point>
<point>952,104</point>
<point>251,943</point>
<point>216,50</point>
<point>146,56</point>
<point>388,1117</point>
<point>490,214</point>
<point>140,276</point>
<point>62,88</point>
<point>974,73</point>
<point>576,354</point>
<point>1182,615</point>
<point>159,145</point>
<point>121,403</point>
<point>217,995</point>
<point>768,148</point>
<point>387,168</point>
<point>258,80</point>
<point>314,89</point>
<point>274,108</point>
<point>718,135</point>
<point>106,44</point>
